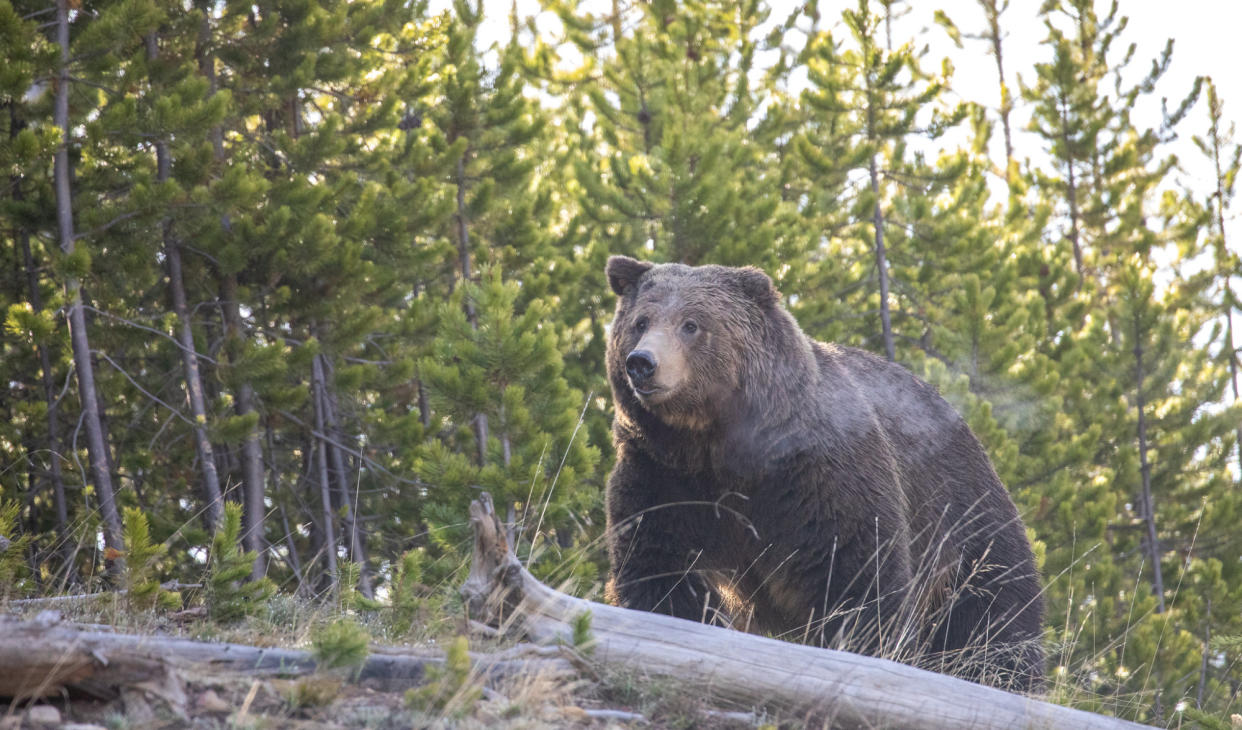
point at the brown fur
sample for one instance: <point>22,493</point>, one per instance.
<point>797,488</point>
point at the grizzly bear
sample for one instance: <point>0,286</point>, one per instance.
<point>805,490</point>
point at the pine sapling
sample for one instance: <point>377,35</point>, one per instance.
<point>342,644</point>
<point>12,550</point>
<point>450,690</point>
<point>142,585</point>
<point>407,591</point>
<point>229,595</point>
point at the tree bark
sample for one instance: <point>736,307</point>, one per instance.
<point>45,657</point>
<point>994,37</point>
<point>96,440</point>
<point>55,474</point>
<point>254,507</point>
<point>881,265</point>
<point>213,499</point>
<point>321,463</point>
<point>877,220</point>
<point>357,541</point>
<point>1072,189</point>
<point>831,686</point>
<point>1203,660</point>
<point>463,254</point>
<point>1149,512</point>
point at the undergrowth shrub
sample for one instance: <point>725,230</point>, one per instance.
<point>142,558</point>
<point>12,551</point>
<point>229,595</point>
<point>450,690</point>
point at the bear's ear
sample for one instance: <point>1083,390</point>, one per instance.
<point>624,271</point>
<point>757,286</point>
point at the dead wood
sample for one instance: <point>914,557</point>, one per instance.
<point>46,656</point>
<point>836,687</point>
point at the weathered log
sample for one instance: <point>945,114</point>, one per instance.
<point>834,687</point>
<point>45,656</point>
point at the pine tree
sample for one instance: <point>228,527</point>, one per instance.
<point>506,365</point>
<point>868,101</point>
<point>30,338</point>
<point>1226,157</point>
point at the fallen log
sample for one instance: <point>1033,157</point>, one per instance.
<point>45,656</point>
<point>833,687</point>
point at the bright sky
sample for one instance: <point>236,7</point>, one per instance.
<point>1204,32</point>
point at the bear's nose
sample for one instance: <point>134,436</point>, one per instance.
<point>640,365</point>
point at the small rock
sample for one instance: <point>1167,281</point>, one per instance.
<point>43,716</point>
<point>11,722</point>
<point>81,726</point>
<point>209,701</point>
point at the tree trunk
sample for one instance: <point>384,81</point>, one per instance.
<point>821,685</point>
<point>45,657</point>
<point>881,265</point>
<point>55,474</point>
<point>463,255</point>
<point>877,221</point>
<point>96,441</point>
<point>995,38</point>
<point>213,500</point>
<point>254,506</point>
<point>1149,512</point>
<point>335,437</point>
<point>321,456</point>
<point>1071,190</point>
<point>1203,661</point>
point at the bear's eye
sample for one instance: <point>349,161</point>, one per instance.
<point>690,327</point>
<point>641,325</point>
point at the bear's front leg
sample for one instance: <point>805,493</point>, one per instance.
<point>651,545</point>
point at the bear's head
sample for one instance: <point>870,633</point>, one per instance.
<point>684,337</point>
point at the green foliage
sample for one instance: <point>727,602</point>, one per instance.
<point>451,690</point>
<point>506,366</point>
<point>142,561</point>
<point>407,593</point>
<point>341,644</point>
<point>12,565</point>
<point>229,595</point>
<point>583,642</point>
<point>311,692</point>
<point>349,597</point>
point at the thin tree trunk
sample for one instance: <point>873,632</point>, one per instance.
<point>463,253</point>
<point>254,507</point>
<point>1149,513</point>
<point>877,221</point>
<point>295,563</point>
<point>325,486</point>
<point>213,499</point>
<point>1203,662</point>
<point>1229,300</point>
<point>1071,191</point>
<point>96,441</point>
<point>55,474</point>
<point>994,37</point>
<point>881,264</point>
<point>357,541</point>
<point>424,407</point>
